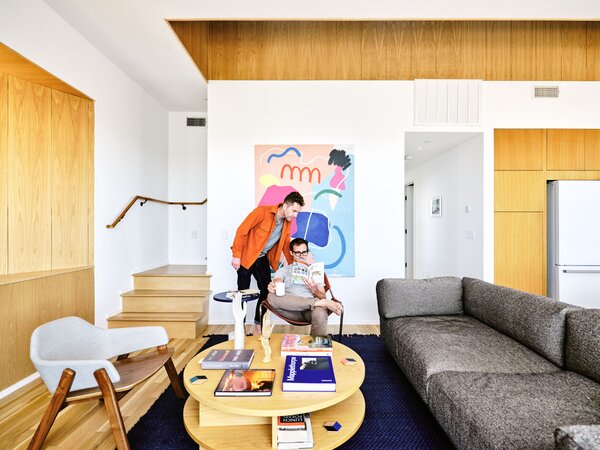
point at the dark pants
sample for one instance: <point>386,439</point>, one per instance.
<point>262,274</point>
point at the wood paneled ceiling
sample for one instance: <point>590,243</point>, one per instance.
<point>393,50</point>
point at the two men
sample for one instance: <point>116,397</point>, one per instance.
<point>259,242</point>
<point>302,302</point>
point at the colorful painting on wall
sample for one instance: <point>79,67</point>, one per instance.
<point>324,175</point>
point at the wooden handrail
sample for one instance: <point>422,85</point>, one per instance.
<point>146,199</point>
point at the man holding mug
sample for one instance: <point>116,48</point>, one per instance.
<point>304,301</point>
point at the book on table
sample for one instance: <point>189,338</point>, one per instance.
<point>301,437</point>
<point>246,293</point>
<point>228,359</point>
<point>308,374</point>
<point>302,271</point>
<point>246,383</point>
<point>306,345</point>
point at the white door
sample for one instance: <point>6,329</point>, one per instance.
<point>408,229</point>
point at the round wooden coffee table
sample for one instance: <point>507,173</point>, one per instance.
<point>250,422</point>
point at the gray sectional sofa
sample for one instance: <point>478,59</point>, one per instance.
<point>498,368</point>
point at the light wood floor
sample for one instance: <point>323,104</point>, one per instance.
<point>85,425</point>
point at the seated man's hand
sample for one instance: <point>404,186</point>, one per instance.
<point>271,287</point>
<point>312,287</point>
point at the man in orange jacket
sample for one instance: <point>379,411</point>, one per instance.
<point>259,242</point>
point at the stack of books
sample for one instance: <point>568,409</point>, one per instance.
<point>306,345</point>
<point>294,431</point>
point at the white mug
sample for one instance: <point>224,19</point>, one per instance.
<point>280,289</point>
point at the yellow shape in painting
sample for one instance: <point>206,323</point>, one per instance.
<point>269,180</point>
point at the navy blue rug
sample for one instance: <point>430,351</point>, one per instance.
<point>396,417</point>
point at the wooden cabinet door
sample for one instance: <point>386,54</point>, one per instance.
<point>566,150</point>
<point>519,190</point>
<point>592,150</point>
<point>519,256</point>
<point>519,149</point>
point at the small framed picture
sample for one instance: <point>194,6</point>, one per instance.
<point>435,206</point>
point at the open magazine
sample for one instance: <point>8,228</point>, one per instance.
<point>302,271</point>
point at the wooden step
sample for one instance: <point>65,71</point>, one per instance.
<point>173,277</point>
<point>170,300</point>
<point>187,325</point>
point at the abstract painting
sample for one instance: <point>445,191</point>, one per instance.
<point>324,175</point>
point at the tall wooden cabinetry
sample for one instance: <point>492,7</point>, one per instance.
<point>46,206</point>
<point>524,161</point>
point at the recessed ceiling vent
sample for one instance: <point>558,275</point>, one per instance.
<point>545,92</point>
<point>196,121</point>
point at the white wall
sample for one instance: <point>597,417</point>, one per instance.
<point>373,115</point>
<point>243,114</point>
<point>187,182</point>
<point>130,150</point>
<point>441,246</point>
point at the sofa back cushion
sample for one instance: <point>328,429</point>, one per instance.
<point>582,350</point>
<point>397,297</point>
<point>535,321</point>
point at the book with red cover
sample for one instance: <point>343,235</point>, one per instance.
<point>307,345</point>
<point>243,383</point>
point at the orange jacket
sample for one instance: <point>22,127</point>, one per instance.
<point>252,235</point>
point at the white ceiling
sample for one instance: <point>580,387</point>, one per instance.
<point>134,33</point>
<point>423,146</point>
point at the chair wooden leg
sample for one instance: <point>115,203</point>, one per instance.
<point>172,372</point>
<point>112,409</point>
<point>56,404</point>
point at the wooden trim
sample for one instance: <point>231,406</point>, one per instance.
<point>145,199</point>
<point>3,174</point>
<point>12,63</point>
<point>30,276</point>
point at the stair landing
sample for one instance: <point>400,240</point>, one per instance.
<point>173,277</point>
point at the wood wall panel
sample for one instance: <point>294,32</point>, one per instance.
<point>29,179</point>
<point>90,186</point>
<point>400,50</point>
<point>3,174</point>
<point>519,190</point>
<point>566,150</point>
<point>70,153</point>
<point>374,51</point>
<point>516,149</point>
<point>519,245</point>
<point>195,39</point>
<point>592,150</point>
<point>573,46</point>
<point>31,303</point>
<point>12,63</point>
<point>394,50</point>
<point>547,51</point>
<point>593,51</point>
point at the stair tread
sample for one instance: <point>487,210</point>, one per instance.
<point>175,270</point>
<point>166,293</point>
<point>158,316</point>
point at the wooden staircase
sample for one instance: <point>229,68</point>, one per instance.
<point>174,296</point>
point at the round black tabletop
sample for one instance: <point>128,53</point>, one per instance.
<point>222,297</point>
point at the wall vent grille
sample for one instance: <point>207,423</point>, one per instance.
<point>545,91</point>
<point>448,102</point>
<point>196,121</point>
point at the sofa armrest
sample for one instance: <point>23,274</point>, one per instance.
<point>577,437</point>
<point>397,297</point>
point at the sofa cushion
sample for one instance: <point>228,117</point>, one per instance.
<point>582,350</point>
<point>423,346</point>
<point>398,297</point>
<point>577,437</point>
<point>511,411</point>
<point>535,321</point>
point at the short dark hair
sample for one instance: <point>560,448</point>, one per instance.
<point>296,242</point>
<point>294,197</point>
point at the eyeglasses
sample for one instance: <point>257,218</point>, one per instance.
<point>304,253</point>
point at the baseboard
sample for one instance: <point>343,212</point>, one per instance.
<point>15,387</point>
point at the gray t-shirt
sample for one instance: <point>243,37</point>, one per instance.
<point>274,238</point>
<point>290,287</point>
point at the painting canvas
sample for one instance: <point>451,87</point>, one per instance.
<point>324,175</point>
